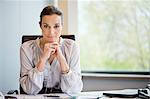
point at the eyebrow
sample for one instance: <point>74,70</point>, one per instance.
<point>55,23</point>
<point>45,23</point>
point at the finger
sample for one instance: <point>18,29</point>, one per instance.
<point>53,51</point>
<point>54,45</point>
<point>51,44</point>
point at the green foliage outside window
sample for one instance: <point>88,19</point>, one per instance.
<point>114,35</point>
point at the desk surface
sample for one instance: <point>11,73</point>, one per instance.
<point>82,95</point>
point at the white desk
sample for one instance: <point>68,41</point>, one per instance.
<point>82,95</point>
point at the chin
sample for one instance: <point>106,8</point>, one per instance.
<point>51,41</point>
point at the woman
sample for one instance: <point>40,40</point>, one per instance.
<point>50,64</point>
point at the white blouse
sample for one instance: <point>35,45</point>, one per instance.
<point>32,81</point>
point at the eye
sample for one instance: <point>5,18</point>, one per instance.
<point>45,26</point>
<point>56,26</point>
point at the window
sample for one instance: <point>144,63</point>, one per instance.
<point>114,35</point>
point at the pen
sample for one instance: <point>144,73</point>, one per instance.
<point>51,96</point>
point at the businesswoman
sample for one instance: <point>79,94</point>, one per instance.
<point>50,64</point>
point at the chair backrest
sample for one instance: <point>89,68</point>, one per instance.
<point>33,37</point>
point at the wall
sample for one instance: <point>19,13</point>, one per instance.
<point>10,37</point>
<point>18,18</point>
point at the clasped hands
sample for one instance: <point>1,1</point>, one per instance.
<point>51,49</point>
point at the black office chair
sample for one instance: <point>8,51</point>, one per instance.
<point>33,37</point>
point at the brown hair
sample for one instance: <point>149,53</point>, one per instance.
<point>50,10</point>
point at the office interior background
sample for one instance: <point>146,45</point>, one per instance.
<point>114,42</point>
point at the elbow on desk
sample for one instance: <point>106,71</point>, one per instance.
<point>74,89</point>
<point>30,90</point>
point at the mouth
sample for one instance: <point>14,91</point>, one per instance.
<point>51,39</point>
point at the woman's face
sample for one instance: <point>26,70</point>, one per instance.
<point>51,28</point>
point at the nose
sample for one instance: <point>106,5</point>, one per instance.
<point>51,31</point>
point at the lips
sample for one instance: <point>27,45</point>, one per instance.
<point>51,39</point>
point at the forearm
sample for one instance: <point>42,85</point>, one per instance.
<point>71,82</point>
<point>63,64</point>
<point>40,65</point>
<point>32,82</point>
